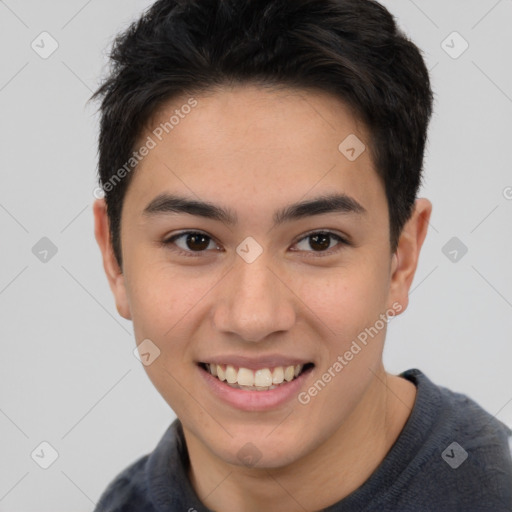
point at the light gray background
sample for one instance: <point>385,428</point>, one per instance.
<point>68,374</point>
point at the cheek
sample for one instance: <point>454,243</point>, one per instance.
<point>160,296</point>
<point>350,304</point>
<point>168,307</point>
<point>162,304</point>
<point>347,299</point>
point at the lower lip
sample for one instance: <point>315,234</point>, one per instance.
<point>255,400</point>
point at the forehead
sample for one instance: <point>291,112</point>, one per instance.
<point>249,145</point>
<point>251,118</point>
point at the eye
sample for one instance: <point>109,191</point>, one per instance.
<point>321,242</point>
<point>190,242</point>
<point>194,243</point>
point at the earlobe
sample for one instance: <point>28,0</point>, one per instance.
<point>405,260</point>
<point>113,272</point>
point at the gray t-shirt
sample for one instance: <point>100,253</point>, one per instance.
<point>450,456</point>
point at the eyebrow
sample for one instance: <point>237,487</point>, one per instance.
<point>334,203</point>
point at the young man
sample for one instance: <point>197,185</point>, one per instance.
<point>260,227</point>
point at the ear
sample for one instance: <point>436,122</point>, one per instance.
<point>112,270</point>
<point>405,259</point>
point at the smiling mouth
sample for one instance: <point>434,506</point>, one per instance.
<point>263,379</point>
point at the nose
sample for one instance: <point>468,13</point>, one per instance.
<point>254,302</point>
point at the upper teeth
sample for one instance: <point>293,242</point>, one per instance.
<point>264,377</point>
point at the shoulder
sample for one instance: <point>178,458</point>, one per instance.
<point>128,491</point>
<point>456,413</point>
<point>155,482</point>
<point>471,421</point>
<point>465,453</point>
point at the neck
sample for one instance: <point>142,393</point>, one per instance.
<point>338,466</point>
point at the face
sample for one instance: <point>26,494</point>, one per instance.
<point>252,280</point>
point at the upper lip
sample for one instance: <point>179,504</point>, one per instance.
<point>255,363</point>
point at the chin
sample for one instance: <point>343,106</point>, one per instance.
<point>260,451</point>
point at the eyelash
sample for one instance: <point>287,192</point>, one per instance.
<point>316,254</point>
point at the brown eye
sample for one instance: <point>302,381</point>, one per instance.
<point>197,242</point>
<point>321,242</point>
<point>190,242</point>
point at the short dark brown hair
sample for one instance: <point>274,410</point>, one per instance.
<point>352,49</point>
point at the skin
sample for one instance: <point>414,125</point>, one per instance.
<point>254,151</point>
